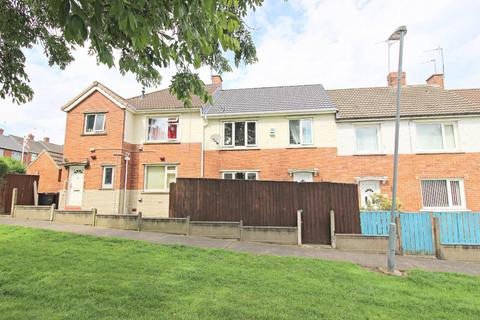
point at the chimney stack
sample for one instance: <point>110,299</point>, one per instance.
<point>46,139</point>
<point>30,136</point>
<point>217,79</point>
<point>1,132</point>
<point>392,79</point>
<point>436,80</point>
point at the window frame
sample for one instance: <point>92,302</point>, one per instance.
<point>442,126</point>
<point>108,186</point>
<point>167,171</point>
<point>94,131</point>
<point>379,140</point>
<point>463,206</point>
<point>302,143</point>
<point>16,155</point>
<point>170,119</point>
<point>2,152</point>
<point>246,145</point>
<point>246,172</point>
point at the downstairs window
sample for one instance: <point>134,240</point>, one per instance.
<point>443,194</point>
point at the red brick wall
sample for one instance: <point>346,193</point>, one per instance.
<point>48,172</point>
<point>274,164</point>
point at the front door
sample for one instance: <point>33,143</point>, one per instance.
<point>303,176</point>
<point>367,189</point>
<point>75,186</point>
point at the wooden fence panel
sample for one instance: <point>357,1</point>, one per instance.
<point>24,184</point>
<point>268,203</point>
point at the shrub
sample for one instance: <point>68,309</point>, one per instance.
<point>380,201</point>
<point>9,165</point>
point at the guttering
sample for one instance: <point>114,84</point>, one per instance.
<point>411,117</point>
<point>171,110</point>
<point>268,113</point>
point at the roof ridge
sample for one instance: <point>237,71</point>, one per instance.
<point>165,89</point>
<point>271,87</point>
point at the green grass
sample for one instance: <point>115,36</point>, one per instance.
<point>50,275</point>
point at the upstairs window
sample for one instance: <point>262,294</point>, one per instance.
<point>301,132</point>
<point>433,137</point>
<point>162,129</point>
<point>240,175</point>
<point>443,194</point>
<point>107,179</point>
<point>33,156</point>
<point>367,139</point>
<point>94,123</point>
<point>240,134</point>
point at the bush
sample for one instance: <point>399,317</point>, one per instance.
<point>9,165</point>
<point>380,201</point>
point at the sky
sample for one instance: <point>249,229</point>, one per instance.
<point>339,44</point>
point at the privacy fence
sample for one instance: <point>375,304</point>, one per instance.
<point>417,229</point>
<point>269,203</point>
<point>25,190</point>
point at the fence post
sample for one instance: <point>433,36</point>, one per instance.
<point>333,240</point>
<point>188,226</point>
<point>436,238</point>
<point>14,202</point>
<point>52,212</point>
<point>299,227</point>
<point>94,216</point>
<point>240,226</point>
<point>35,193</point>
<point>139,220</point>
<point>399,234</point>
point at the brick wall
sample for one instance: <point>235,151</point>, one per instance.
<point>274,164</point>
<point>48,172</point>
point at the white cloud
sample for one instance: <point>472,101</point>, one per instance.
<point>335,43</point>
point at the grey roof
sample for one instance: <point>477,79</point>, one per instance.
<point>270,99</point>
<point>34,146</point>
<point>417,100</point>
<point>57,157</point>
<point>8,143</point>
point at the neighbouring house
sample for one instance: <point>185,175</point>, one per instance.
<point>48,166</point>
<point>121,154</point>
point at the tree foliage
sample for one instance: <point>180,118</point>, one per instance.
<point>138,36</point>
<point>9,165</point>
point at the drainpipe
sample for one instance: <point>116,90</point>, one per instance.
<point>202,156</point>
<point>127,158</point>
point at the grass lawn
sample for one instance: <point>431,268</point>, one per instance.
<point>51,275</point>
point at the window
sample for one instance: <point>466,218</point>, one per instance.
<point>107,180</point>
<point>436,137</point>
<point>443,193</point>
<point>94,123</point>
<point>16,155</point>
<point>367,139</point>
<point>162,129</point>
<point>33,156</point>
<point>159,177</point>
<point>240,175</point>
<point>1,152</point>
<point>303,176</point>
<point>300,132</point>
<point>240,134</point>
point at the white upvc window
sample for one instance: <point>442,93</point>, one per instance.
<point>16,155</point>
<point>107,177</point>
<point>301,131</point>
<point>367,139</point>
<point>440,194</point>
<point>94,123</point>
<point>33,156</point>
<point>240,134</point>
<point>158,177</point>
<point>240,175</point>
<point>1,152</point>
<point>162,129</point>
<point>436,137</point>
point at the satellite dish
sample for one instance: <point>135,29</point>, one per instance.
<point>215,138</point>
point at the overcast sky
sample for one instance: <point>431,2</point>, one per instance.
<point>335,43</point>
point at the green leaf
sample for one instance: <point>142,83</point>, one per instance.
<point>63,12</point>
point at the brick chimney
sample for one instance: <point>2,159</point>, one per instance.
<point>30,136</point>
<point>46,139</point>
<point>217,79</point>
<point>392,79</point>
<point>1,132</point>
<point>436,80</point>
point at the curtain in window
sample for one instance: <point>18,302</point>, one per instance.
<point>251,133</point>
<point>434,193</point>
<point>157,129</point>
<point>99,122</point>
<point>155,178</point>
<point>449,136</point>
<point>367,139</point>
<point>239,133</point>
<point>429,136</point>
<point>307,131</point>
<point>228,134</point>
<point>294,131</point>
<point>456,195</point>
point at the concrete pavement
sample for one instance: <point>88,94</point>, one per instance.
<point>370,260</point>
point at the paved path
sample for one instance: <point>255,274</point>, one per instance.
<point>369,260</point>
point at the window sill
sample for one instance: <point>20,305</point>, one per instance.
<point>445,210</point>
<point>156,192</point>
<point>162,142</point>
<point>306,146</point>
<point>438,152</point>
<point>239,148</point>
<point>106,189</point>
<point>94,134</point>
<point>370,154</point>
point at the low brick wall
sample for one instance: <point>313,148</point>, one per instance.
<point>215,229</point>
<point>165,225</point>
<point>460,252</point>
<point>358,242</point>
<point>33,212</point>
<point>281,235</point>
<point>117,221</point>
<point>74,217</point>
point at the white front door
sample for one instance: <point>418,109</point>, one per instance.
<point>303,176</point>
<point>367,189</point>
<point>75,186</point>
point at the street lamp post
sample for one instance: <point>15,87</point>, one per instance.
<point>398,34</point>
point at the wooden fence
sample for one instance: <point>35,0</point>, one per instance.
<point>269,203</point>
<point>24,185</point>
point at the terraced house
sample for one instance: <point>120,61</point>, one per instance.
<point>122,154</point>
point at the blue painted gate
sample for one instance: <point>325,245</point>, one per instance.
<point>417,233</point>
